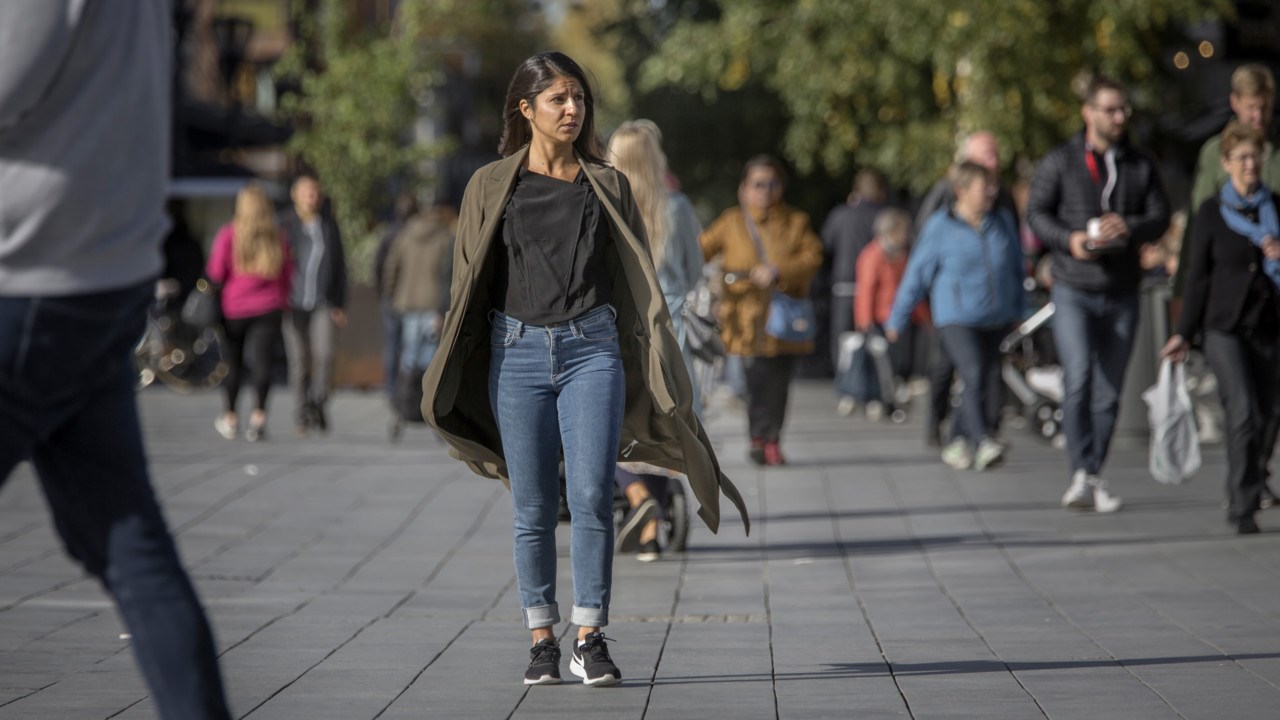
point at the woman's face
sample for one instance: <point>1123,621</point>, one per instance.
<point>557,113</point>
<point>762,189</point>
<point>978,197</point>
<point>1244,165</point>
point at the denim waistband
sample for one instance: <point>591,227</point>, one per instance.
<point>500,320</point>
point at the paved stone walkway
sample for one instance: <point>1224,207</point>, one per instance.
<point>351,579</point>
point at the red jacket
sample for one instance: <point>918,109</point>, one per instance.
<point>877,283</point>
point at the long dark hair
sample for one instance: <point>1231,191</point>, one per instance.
<point>532,77</point>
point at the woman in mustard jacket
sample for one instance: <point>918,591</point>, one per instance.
<point>792,256</point>
<point>558,339</point>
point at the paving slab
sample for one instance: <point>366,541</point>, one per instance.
<point>351,578</point>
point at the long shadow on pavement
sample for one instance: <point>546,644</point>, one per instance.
<point>839,671</point>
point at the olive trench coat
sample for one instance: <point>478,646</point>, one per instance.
<point>659,426</point>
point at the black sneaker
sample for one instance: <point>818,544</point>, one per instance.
<point>637,518</point>
<point>544,664</point>
<point>649,551</point>
<point>319,420</point>
<point>591,662</point>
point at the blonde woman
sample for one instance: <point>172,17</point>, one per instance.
<point>635,149</point>
<point>251,260</point>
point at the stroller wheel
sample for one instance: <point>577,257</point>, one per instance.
<point>899,416</point>
<point>676,528</point>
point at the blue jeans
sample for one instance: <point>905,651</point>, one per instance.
<point>551,387</point>
<point>390,346</point>
<point>1094,335</point>
<point>67,404</point>
<point>975,352</point>
<point>419,339</point>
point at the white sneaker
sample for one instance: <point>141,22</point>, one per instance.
<point>1103,501</point>
<point>1080,495</point>
<point>875,411</point>
<point>957,454</point>
<point>846,406</point>
<point>990,454</point>
<point>225,428</point>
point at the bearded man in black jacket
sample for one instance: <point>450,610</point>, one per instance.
<point>1095,201</point>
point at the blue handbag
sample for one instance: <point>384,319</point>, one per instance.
<point>790,319</point>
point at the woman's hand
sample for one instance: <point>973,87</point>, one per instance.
<point>891,335</point>
<point>1271,248</point>
<point>1176,349</point>
<point>764,276</point>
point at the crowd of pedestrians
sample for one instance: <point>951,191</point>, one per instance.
<point>544,327</point>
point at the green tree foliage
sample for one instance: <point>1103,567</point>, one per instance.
<point>361,89</point>
<point>891,85</point>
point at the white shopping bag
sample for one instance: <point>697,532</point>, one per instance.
<point>1175,446</point>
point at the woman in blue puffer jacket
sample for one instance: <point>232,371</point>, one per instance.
<point>968,262</point>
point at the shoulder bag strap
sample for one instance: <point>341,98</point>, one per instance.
<point>755,236</point>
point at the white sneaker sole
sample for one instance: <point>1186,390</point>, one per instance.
<point>544,680</point>
<point>1109,505</point>
<point>1078,502</point>
<point>575,667</point>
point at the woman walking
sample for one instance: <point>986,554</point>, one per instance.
<point>766,246</point>
<point>558,341</point>
<point>1230,296</point>
<point>968,262</point>
<point>250,259</point>
<point>672,227</point>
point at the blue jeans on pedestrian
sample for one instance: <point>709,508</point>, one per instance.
<point>1094,333</point>
<point>390,346</point>
<point>419,339</point>
<point>975,352</point>
<point>550,387</point>
<point>67,404</point>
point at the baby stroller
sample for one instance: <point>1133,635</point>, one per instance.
<point>673,520</point>
<point>1032,375</point>
<point>865,374</point>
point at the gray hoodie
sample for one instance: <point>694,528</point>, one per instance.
<point>84,144</point>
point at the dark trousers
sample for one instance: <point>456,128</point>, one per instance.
<point>768,386</point>
<point>309,338</point>
<point>841,322</point>
<point>67,404</point>
<point>251,342</point>
<point>941,376</point>
<point>657,485</point>
<point>1246,371</point>
<point>1094,334</point>
<point>976,354</point>
<point>1269,436</point>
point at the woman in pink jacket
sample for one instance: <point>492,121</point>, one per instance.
<point>251,260</point>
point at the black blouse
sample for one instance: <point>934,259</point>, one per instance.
<point>551,268</point>
<point>1227,289</point>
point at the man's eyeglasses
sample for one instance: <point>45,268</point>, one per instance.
<point>1124,110</point>
<point>764,185</point>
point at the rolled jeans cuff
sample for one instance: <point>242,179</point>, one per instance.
<point>589,617</point>
<point>541,616</point>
